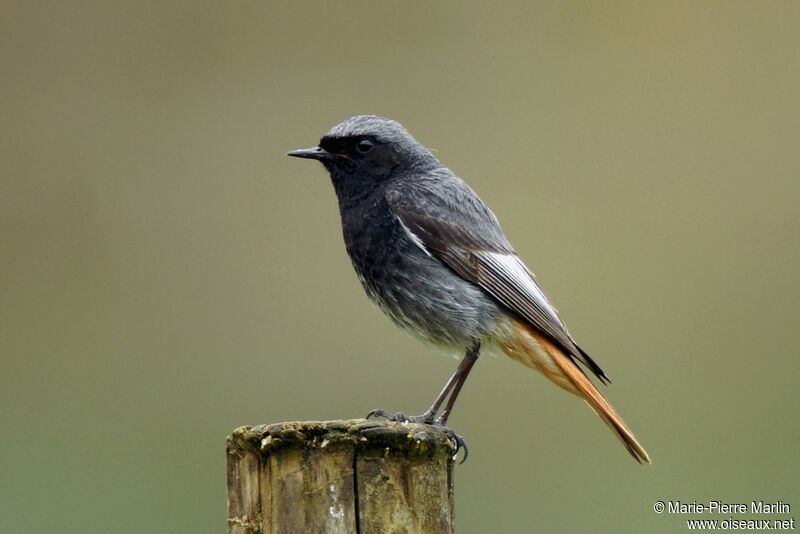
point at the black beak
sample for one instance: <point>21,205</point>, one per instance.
<point>311,153</point>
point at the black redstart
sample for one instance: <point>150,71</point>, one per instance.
<point>432,256</point>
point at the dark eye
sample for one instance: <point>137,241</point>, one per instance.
<point>364,146</point>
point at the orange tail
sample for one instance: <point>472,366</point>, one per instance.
<point>534,350</point>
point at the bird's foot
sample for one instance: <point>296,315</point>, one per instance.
<point>427,419</point>
<point>458,441</point>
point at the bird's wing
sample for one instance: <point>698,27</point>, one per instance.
<point>452,224</point>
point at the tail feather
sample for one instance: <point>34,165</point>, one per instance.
<point>566,373</point>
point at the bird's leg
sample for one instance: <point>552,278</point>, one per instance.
<point>456,380</point>
<point>451,388</point>
<point>453,385</point>
<point>429,415</point>
<point>461,373</point>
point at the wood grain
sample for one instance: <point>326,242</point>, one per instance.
<point>351,476</point>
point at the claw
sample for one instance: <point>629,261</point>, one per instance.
<point>458,442</point>
<point>396,417</point>
<point>381,413</point>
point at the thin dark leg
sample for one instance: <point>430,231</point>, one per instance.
<point>460,375</point>
<point>456,380</point>
<point>452,388</point>
<point>454,384</point>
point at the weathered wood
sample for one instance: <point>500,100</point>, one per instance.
<point>356,476</point>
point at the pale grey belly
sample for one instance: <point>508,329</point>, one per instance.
<point>429,300</point>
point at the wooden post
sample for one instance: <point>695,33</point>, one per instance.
<point>353,476</point>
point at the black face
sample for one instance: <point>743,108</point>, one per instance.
<point>365,151</point>
<point>352,147</point>
<point>359,154</point>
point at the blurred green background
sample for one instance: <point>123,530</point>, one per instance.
<point>168,274</point>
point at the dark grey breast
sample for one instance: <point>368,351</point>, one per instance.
<point>412,286</point>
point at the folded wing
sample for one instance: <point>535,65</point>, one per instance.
<point>476,249</point>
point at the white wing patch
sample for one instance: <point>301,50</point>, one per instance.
<point>515,270</point>
<point>417,241</point>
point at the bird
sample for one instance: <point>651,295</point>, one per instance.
<point>433,257</point>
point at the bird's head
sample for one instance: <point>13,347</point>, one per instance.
<point>366,150</point>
